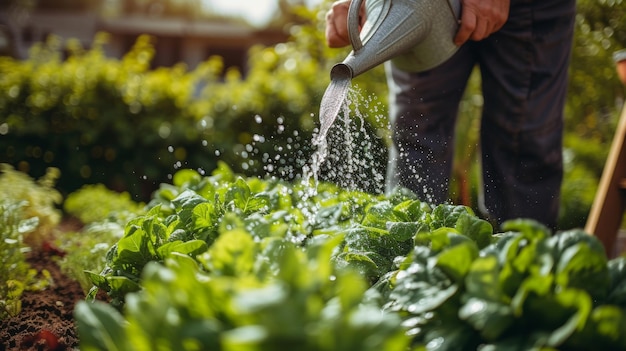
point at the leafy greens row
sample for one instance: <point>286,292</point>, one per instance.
<point>221,262</point>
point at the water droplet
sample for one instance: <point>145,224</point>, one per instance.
<point>164,130</point>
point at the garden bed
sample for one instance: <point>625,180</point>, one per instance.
<point>46,321</point>
<point>223,262</point>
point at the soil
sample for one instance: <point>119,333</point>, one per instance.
<point>46,321</point>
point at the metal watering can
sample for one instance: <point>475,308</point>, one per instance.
<point>415,35</point>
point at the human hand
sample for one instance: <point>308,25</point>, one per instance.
<point>481,18</point>
<point>337,24</point>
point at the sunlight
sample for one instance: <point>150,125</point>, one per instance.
<point>257,12</point>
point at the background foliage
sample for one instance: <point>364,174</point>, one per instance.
<point>116,122</point>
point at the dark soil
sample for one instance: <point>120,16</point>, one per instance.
<point>46,321</point>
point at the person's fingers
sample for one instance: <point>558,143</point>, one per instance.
<point>337,25</point>
<point>481,18</point>
<point>466,28</point>
<point>481,30</point>
<point>333,37</point>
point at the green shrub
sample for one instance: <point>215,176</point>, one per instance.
<point>99,120</point>
<point>97,203</point>
<point>121,124</point>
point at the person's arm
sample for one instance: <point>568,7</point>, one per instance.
<point>481,18</point>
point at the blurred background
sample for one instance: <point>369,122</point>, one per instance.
<point>125,92</point>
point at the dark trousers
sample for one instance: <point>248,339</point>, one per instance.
<point>524,69</point>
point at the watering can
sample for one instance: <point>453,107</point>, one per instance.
<point>415,35</point>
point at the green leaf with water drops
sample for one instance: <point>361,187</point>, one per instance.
<point>205,219</point>
<point>184,205</point>
<point>456,260</point>
<point>185,177</point>
<point>420,288</point>
<point>413,211</point>
<point>378,214</point>
<point>478,229</point>
<point>403,231</point>
<point>483,279</point>
<point>440,238</point>
<point>363,238</point>
<point>360,262</point>
<point>206,215</point>
<point>447,215</point>
<point>491,319</point>
<point>232,253</point>
<point>240,196</point>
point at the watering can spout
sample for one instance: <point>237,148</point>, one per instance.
<point>341,71</point>
<point>415,35</point>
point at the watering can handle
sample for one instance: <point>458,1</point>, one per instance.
<point>353,25</point>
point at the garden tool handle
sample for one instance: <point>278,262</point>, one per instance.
<point>353,25</point>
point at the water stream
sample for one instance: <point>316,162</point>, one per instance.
<point>333,99</point>
<point>346,151</point>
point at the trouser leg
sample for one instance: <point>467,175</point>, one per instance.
<point>423,113</point>
<point>524,72</point>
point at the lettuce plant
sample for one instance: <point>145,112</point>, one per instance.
<point>275,297</point>
<point>104,213</point>
<point>526,291</point>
